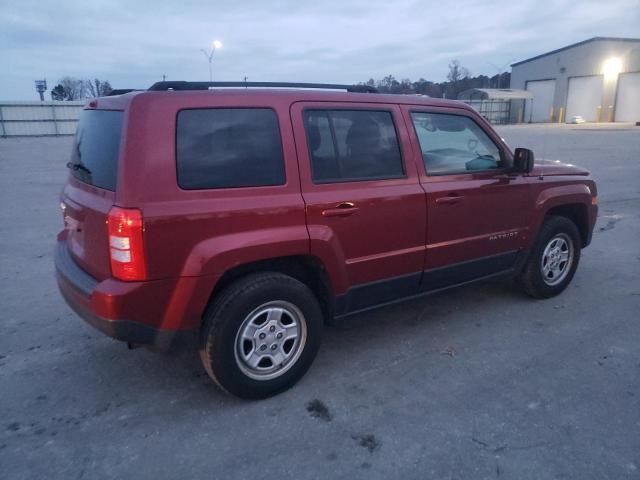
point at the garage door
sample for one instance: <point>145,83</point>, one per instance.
<point>628,98</point>
<point>584,98</point>
<point>538,108</point>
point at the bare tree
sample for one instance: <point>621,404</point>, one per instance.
<point>388,83</point>
<point>457,71</point>
<point>97,88</point>
<point>406,86</point>
<point>74,89</point>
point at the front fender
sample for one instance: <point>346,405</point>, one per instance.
<point>562,195</point>
<point>552,197</point>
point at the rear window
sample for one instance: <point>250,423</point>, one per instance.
<point>94,159</point>
<point>352,145</point>
<point>229,147</point>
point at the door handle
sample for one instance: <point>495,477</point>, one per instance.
<point>341,210</point>
<point>450,199</point>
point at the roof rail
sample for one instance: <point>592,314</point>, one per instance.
<point>120,91</point>
<point>182,85</point>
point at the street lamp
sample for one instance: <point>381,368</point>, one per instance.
<point>611,68</point>
<point>209,54</point>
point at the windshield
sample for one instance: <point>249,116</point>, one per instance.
<point>94,158</point>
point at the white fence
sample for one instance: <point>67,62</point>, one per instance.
<point>39,118</point>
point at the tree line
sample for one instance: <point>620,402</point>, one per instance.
<point>458,80</point>
<point>71,88</point>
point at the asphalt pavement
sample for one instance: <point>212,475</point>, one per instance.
<point>479,382</point>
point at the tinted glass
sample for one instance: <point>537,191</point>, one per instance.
<point>454,144</point>
<point>94,158</point>
<point>229,147</point>
<point>352,145</point>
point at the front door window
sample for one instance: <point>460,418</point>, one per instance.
<point>454,144</point>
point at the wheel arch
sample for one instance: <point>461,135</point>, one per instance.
<point>569,201</point>
<point>577,213</point>
<point>307,269</point>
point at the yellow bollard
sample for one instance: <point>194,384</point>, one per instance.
<point>598,112</point>
<point>560,114</point>
<point>551,115</point>
<point>610,113</point>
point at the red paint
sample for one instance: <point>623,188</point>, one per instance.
<point>189,239</point>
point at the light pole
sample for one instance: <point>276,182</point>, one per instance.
<point>216,44</point>
<point>41,87</point>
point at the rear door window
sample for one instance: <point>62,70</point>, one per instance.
<point>229,147</point>
<point>94,158</point>
<point>351,145</point>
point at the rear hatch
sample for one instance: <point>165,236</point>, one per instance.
<point>90,191</point>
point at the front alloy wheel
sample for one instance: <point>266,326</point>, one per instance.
<point>553,259</point>
<point>557,259</point>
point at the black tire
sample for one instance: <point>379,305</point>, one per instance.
<point>231,311</point>
<point>531,279</point>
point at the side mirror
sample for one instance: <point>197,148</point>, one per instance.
<point>523,160</point>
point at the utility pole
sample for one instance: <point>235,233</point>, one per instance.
<point>500,70</point>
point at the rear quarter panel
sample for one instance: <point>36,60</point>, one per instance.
<point>205,232</point>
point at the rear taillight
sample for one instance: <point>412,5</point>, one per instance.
<point>126,248</point>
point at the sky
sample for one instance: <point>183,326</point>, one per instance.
<point>134,43</point>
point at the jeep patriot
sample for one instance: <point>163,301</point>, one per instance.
<point>248,217</point>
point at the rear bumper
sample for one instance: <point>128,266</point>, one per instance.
<point>107,305</point>
<point>124,330</point>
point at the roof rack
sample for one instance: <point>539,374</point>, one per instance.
<point>182,85</point>
<point>120,91</point>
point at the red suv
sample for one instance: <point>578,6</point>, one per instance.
<point>250,216</point>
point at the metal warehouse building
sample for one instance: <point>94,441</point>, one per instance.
<point>597,79</point>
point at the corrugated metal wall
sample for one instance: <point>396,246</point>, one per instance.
<point>39,118</point>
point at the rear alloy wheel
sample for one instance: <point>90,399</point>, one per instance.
<point>261,334</point>
<point>553,259</point>
<point>270,340</point>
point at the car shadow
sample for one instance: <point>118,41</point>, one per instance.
<point>179,372</point>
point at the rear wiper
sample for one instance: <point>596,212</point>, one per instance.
<point>78,166</point>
